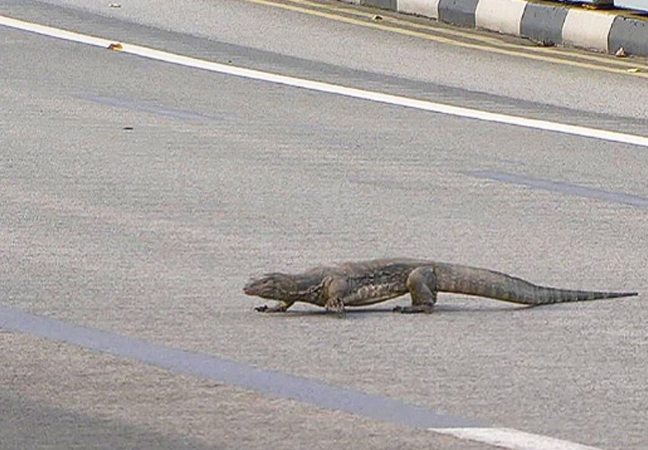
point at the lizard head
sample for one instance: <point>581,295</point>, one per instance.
<point>273,286</point>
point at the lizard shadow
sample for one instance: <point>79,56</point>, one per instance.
<point>438,309</point>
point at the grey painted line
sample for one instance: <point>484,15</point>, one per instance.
<point>227,371</point>
<point>558,186</point>
<point>148,108</point>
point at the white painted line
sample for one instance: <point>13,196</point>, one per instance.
<point>318,86</point>
<point>54,32</point>
<point>511,439</point>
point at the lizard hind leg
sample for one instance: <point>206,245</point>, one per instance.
<point>422,287</point>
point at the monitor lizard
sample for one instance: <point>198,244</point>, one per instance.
<point>361,283</point>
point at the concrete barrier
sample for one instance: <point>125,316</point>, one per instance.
<point>603,31</point>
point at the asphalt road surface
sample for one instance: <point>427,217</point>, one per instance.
<point>138,196</point>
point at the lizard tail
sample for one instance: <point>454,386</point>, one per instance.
<point>541,295</point>
<point>500,286</point>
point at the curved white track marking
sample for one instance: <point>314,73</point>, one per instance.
<point>318,86</point>
<point>511,439</point>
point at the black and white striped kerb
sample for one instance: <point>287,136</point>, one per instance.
<point>601,31</point>
<point>630,34</point>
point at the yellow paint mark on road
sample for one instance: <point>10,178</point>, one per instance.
<point>356,16</point>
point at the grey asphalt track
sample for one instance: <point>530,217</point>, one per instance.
<point>137,197</point>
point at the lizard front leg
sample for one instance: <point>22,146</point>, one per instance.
<point>335,304</point>
<point>422,287</point>
<point>335,291</point>
<point>281,306</point>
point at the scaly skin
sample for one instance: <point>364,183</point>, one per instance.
<point>363,283</point>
